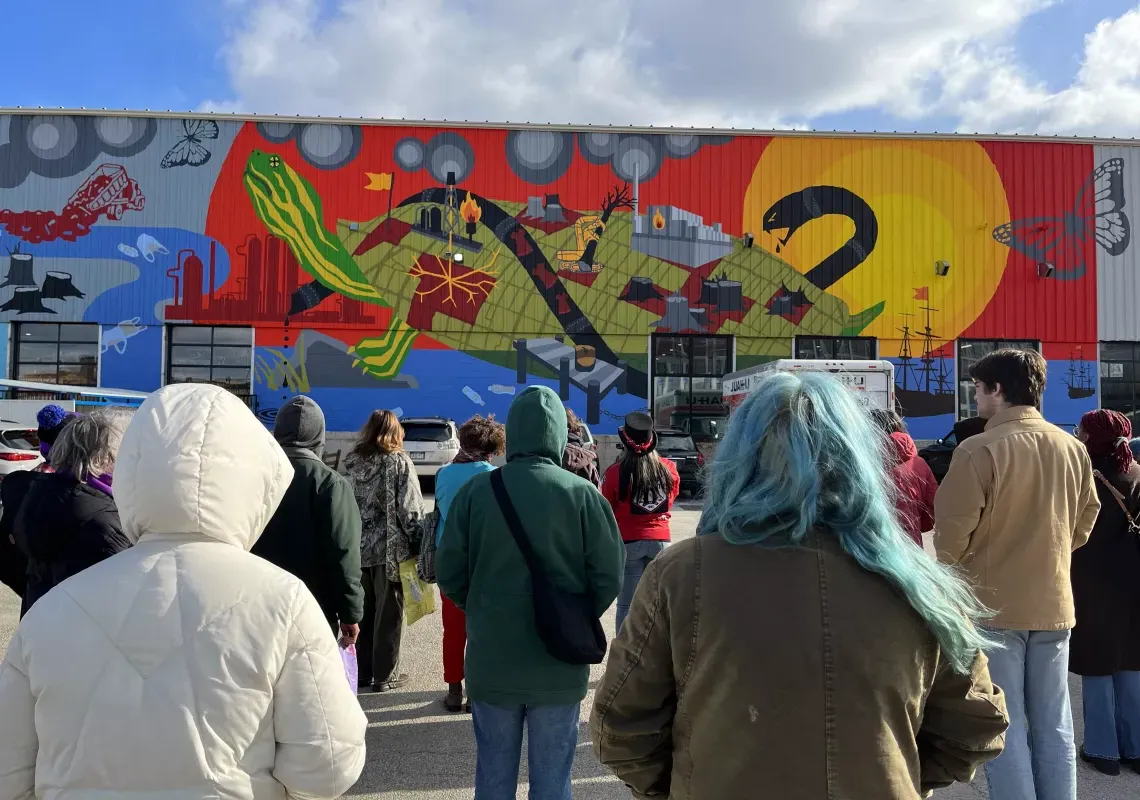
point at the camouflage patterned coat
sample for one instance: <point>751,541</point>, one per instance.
<point>391,509</point>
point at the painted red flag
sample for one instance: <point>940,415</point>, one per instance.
<point>922,293</point>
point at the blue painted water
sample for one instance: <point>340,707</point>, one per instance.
<point>442,376</point>
<point>152,286</point>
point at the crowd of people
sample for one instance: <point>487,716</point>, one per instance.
<point>210,578</point>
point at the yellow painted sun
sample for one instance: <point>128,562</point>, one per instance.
<point>932,201</point>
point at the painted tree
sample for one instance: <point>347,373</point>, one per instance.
<point>619,197</point>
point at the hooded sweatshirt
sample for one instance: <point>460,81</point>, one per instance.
<point>315,533</point>
<point>479,566</point>
<point>581,461</point>
<point>916,486</point>
<point>183,667</point>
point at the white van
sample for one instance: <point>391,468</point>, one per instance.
<point>873,381</point>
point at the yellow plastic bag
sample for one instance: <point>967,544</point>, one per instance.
<point>419,596</point>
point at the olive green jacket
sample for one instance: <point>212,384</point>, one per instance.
<point>747,671</point>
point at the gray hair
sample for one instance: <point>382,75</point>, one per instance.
<point>89,443</point>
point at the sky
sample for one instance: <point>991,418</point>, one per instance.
<point>987,66</point>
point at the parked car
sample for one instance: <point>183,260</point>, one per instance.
<point>19,450</point>
<point>677,446</point>
<point>941,451</point>
<point>431,442</point>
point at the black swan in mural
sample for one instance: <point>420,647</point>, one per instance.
<point>799,208</point>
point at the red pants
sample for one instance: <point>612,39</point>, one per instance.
<point>454,641</point>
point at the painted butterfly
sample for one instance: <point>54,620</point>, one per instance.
<point>1098,213</point>
<point>189,150</point>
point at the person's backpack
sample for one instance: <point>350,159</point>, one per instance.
<point>566,622</point>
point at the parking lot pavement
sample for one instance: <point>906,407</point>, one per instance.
<point>419,751</point>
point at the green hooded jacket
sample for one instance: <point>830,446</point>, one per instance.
<point>479,566</point>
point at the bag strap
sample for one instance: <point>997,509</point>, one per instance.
<point>514,524</point>
<point>1119,500</point>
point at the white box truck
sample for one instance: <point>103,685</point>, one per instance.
<point>872,381</point>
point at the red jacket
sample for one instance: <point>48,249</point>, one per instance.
<point>641,525</point>
<point>916,486</point>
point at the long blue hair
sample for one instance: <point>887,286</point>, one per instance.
<point>800,453</point>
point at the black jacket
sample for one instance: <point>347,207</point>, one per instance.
<point>63,527</point>
<point>13,562</point>
<point>315,535</point>
<point>1106,583</point>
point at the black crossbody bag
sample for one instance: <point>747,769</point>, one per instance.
<point>565,621</point>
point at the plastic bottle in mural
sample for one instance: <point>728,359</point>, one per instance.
<point>473,396</point>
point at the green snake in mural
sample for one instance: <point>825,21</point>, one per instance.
<point>291,209</point>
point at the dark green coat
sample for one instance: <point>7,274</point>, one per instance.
<point>315,535</point>
<point>479,566</point>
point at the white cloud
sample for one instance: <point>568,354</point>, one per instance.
<point>989,92</point>
<point>756,63</point>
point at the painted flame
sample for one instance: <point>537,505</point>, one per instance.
<point>658,220</point>
<point>470,210</point>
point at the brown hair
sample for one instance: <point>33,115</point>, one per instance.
<point>573,423</point>
<point>888,420</point>
<point>482,436</point>
<point>382,433</point>
<point>1020,373</point>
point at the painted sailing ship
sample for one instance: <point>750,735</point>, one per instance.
<point>922,389</point>
<point>1079,380</point>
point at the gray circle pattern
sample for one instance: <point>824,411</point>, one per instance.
<point>629,153</point>
<point>409,154</point>
<point>53,146</point>
<point>449,152</point>
<point>51,137</point>
<point>637,157</point>
<point>60,146</point>
<point>598,147</point>
<point>329,146</point>
<point>681,145</point>
<point>277,132</point>
<point>125,136</point>
<point>540,157</point>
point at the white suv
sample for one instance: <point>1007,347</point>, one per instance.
<point>431,442</point>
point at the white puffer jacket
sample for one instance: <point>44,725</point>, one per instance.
<point>183,668</point>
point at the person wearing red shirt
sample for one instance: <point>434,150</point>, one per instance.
<point>911,474</point>
<point>641,487</point>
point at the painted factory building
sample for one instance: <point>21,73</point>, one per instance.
<point>438,269</point>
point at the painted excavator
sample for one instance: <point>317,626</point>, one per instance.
<point>587,228</point>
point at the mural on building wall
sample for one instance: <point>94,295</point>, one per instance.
<point>441,270</point>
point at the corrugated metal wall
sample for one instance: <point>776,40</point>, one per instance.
<point>1118,279</point>
<point>845,233</point>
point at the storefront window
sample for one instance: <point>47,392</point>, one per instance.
<point>202,354</point>
<point>687,373</point>
<point>66,354</point>
<point>1120,379</point>
<point>835,347</point>
<point>970,352</point>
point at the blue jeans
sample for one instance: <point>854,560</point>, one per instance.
<point>1112,716</point>
<point>637,558</point>
<point>1039,761</point>
<point>552,737</point>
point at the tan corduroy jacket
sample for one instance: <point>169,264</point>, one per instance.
<point>745,671</point>
<point>1018,500</point>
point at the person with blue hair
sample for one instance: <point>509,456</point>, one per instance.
<point>802,641</point>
